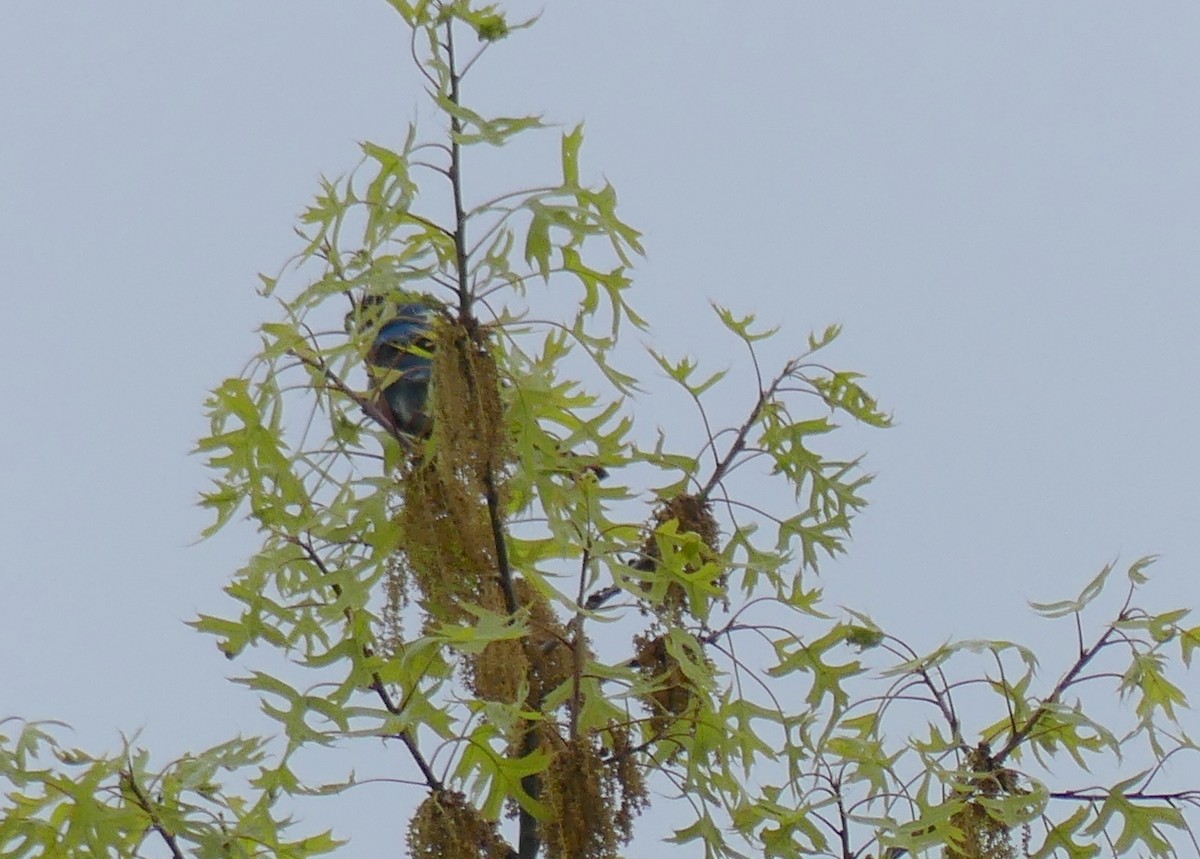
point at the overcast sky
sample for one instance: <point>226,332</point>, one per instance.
<point>1000,202</point>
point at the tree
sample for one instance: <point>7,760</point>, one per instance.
<point>496,601</point>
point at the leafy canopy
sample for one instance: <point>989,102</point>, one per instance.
<point>543,607</point>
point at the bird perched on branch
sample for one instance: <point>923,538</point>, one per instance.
<point>403,350</point>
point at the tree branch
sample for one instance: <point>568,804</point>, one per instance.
<point>529,840</point>
<point>743,432</point>
<point>405,736</point>
<point>143,802</point>
<point>1022,733</point>
<point>460,216</point>
<point>1191,797</point>
<point>377,685</point>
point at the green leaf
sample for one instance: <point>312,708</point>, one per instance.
<point>1064,608</point>
<point>537,241</point>
<point>496,776</point>
<point>1189,640</point>
<point>476,129</point>
<point>1061,837</point>
<point>827,677</point>
<point>741,326</point>
<point>1147,675</point>
<point>830,334</point>
<point>1140,821</point>
<point>1137,573</point>
<point>571,143</point>
<point>682,370</point>
<point>842,391</point>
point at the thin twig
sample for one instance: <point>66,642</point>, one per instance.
<point>144,803</point>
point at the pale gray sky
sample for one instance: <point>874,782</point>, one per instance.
<point>1000,202</point>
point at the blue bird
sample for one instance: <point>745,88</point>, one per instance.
<point>403,350</point>
<point>402,347</point>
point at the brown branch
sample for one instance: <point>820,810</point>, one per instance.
<point>405,736</point>
<point>496,520</point>
<point>455,173</point>
<point>143,802</point>
<point>743,432</point>
<point>1192,797</point>
<point>529,839</point>
<point>377,684</point>
<point>578,644</point>
<point>1021,734</point>
<point>946,705</point>
<point>843,829</point>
